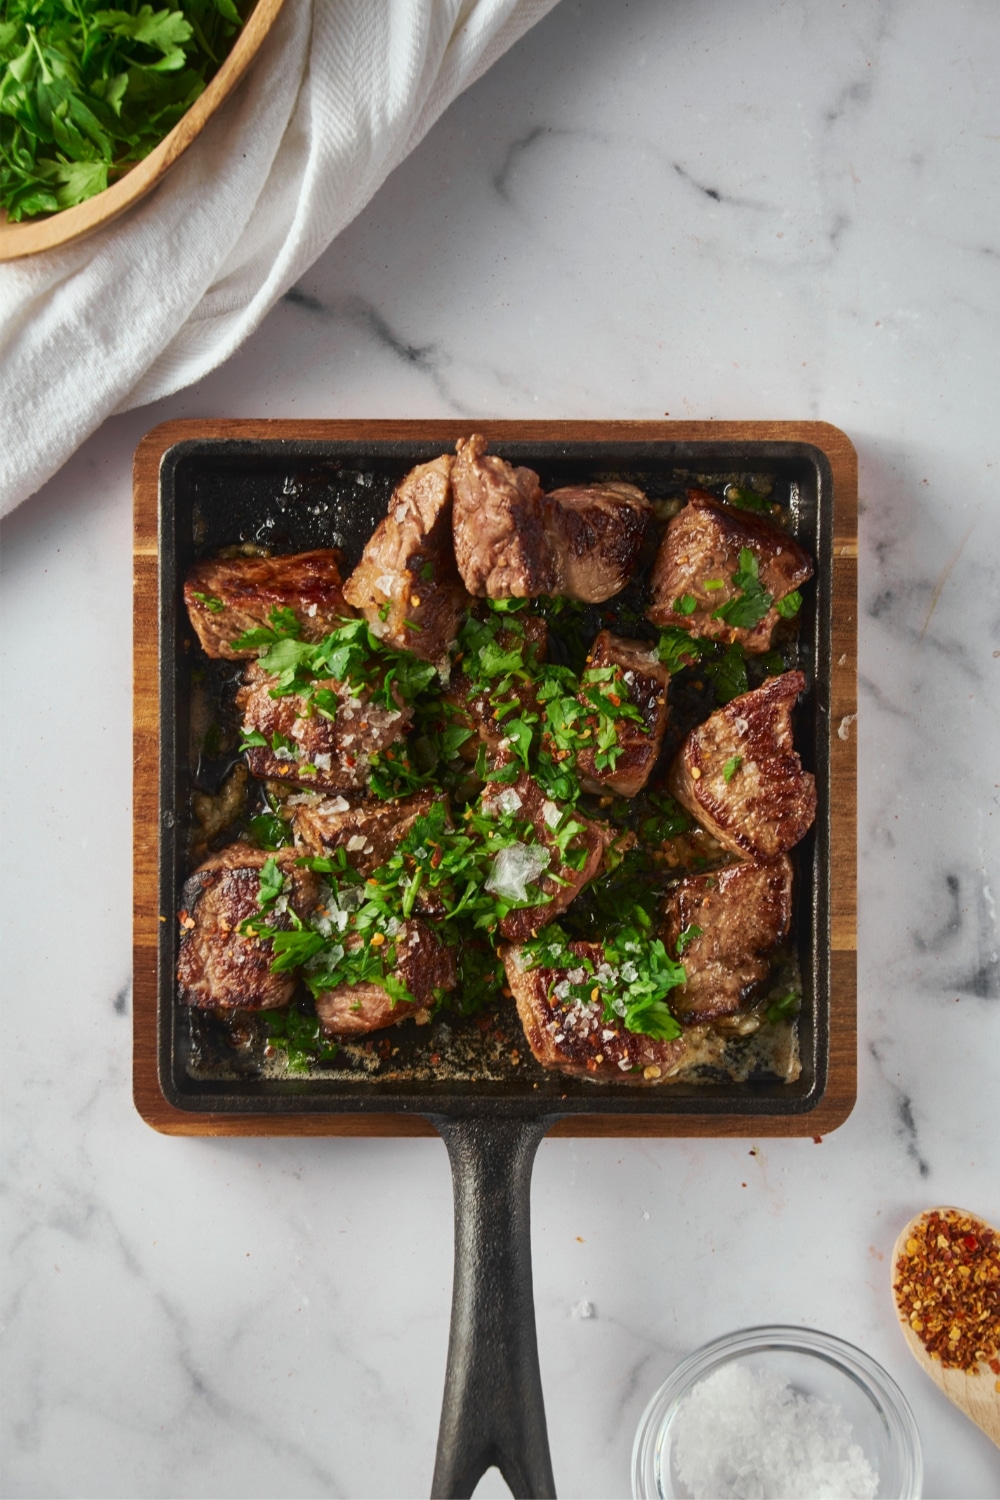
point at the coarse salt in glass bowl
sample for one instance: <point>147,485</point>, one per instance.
<point>758,1360</point>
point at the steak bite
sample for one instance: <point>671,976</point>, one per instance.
<point>735,917</point>
<point>638,679</point>
<point>499,526</point>
<point>368,832</point>
<point>698,558</point>
<point>406,584</point>
<point>513,541</point>
<point>738,773</point>
<point>219,967</point>
<point>310,749</point>
<point>422,963</point>
<point>227,596</point>
<point>596,534</point>
<point>541,863</point>
<point>573,1037</point>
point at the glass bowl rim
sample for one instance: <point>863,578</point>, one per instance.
<point>877,1383</point>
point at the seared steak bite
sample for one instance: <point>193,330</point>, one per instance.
<point>368,832</point>
<point>513,541</point>
<point>640,681</point>
<point>735,917</point>
<point>696,564</point>
<point>739,775</point>
<point>406,584</point>
<point>219,967</point>
<point>596,533</point>
<point>499,527</point>
<point>227,596</point>
<point>310,749</point>
<point>419,961</point>
<point>572,1036</point>
<point>541,863</point>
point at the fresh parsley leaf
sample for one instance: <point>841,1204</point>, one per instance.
<point>677,648</point>
<point>749,606</point>
<point>685,604</point>
<point>731,767</point>
<point>210,602</point>
<point>789,606</point>
<point>744,499</point>
<point>727,672</point>
<point>298,1034</point>
<point>270,831</point>
<point>687,937</point>
<point>86,93</point>
<point>784,1009</point>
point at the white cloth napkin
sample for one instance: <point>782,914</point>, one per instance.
<point>340,93</point>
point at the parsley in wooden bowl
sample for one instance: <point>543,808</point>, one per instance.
<point>97,104</point>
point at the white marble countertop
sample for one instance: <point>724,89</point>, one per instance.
<point>727,210</point>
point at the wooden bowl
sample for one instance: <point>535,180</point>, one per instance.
<point>33,235</point>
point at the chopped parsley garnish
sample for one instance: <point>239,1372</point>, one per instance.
<point>665,820</point>
<point>784,1009</point>
<point>685,604</point>
<point>687,937</point>
<point>631,981</point>
<point>727,672</point>
<point>744,499</point>
<point>269,830</point>
<point>210,602</point>
<point>731,767</point>
<point>298,1033</point>
<point>752,601</point>
<point>789,606</point>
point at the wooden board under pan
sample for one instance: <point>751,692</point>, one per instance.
<point>816,447</point>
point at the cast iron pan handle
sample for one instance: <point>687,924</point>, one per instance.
<point>492,1412</point>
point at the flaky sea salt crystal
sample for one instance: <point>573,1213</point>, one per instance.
<point>745,1434</point>
<point>515,868</point>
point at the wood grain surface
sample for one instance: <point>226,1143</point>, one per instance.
<point>841,1088</point>
<point>34,235</point>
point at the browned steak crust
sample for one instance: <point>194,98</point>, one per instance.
<point>574,1038</point>
<point>743,913</point>
<point>218,967</point>
<point>406,584</point>
<point>768,802</point>
<point>702,545</point>
<point>424,965</point>
<point>642,681</point>
<point>596,534</point>
<point>238,593</point>
<point>340,751</point>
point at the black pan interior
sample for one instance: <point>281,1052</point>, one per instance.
<point>292,495</point>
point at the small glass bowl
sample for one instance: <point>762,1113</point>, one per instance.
<point>814,1364</point>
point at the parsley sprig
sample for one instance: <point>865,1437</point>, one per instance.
<point>85,93</point>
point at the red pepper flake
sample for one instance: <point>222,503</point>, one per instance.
<point>948,1289</point>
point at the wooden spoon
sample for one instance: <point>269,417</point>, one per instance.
<point>975,1391</point>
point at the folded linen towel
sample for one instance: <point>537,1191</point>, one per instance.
<point>341,92</point>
